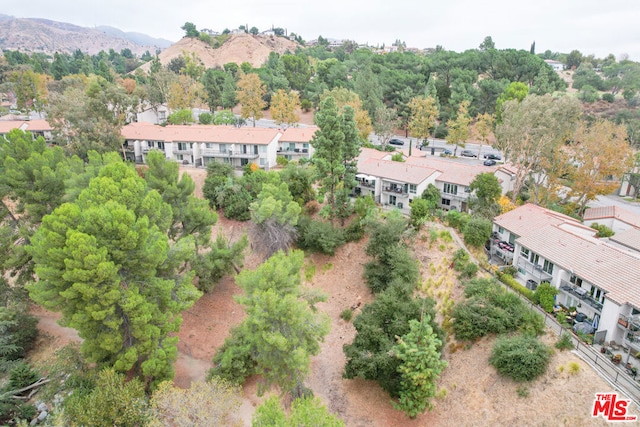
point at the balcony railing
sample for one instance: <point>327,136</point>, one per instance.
<point>366,184</point>
<point>581,293</point>
<point>395,191</point>
<point>210,152</point>
<point>293,150</point>
<point>534,269</point>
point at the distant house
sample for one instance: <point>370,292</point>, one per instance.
<point>556,65</point>
<point>156,115</point>
<point>37,127</point>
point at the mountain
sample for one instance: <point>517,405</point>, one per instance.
<point>138,38</point>
<point>43,35</point>
<point>238,48</point>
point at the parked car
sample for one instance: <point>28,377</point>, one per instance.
<point>447,152</point>
<point>468,153</point>
<point>489,162</point>
<point>396,141</point>
<point>493,156</point>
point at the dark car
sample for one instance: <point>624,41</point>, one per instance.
<point>396,141</point>
<point>447,152</point>
<point>489,162</point>
<point>468,153</point>
<point>493,156</point>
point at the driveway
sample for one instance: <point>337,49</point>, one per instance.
<point>611,200</point>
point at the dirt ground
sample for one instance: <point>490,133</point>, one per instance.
<point>470,391</point>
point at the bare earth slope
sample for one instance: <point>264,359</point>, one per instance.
<point>238,48</point>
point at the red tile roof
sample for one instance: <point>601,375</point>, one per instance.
<point>298,134</point>
<point>199,133</point>
<point>615,212</point>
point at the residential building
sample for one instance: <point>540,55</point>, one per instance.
<point>377,173</point>
<point>391,183</point>
<point>295,143</point>
<point>556,65</point>
<point>37,127</point>
<point>200,144</point>
<point>598,277</point>
<point>616,218</point>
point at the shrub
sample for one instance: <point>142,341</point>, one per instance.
<point>545,296</point>
<point>319,236</point>
<point>477,231</point>
<point>205,118</point>
<point>306,105</point>
<point>457,220</point>
<point>282,161</point>
<point>523,391</point>
<point>574,368</point>
<point>346,314</point>
<point>520,358</point>
<point>564,343</point>
<point>491,309</point>
<point>17,333</point>
<point>609,97</point>
<point>603,230</point>
<point>470,269</point>
<point>22,375</point>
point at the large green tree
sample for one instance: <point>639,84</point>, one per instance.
<point>282,329</point>
<point>336,149</point>
<point>106,263</point>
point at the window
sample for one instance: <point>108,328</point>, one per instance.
<point>179,156</point>
<point>225,160</point>
<point>392,200</point>
<point>161,145</point>
<point>522,271</point>
<point>534,258</point>
<point>548,267</point>
<point>524,252</point>
<point>263,149</point>
<point>182,146</point>
<point>209,145</point>
<point>262,161</point>
<point>413,189</point>
<point>500,230</point>
<point>150,144</point>
<point>223,148</point>
<point>446,202</point>
<point>162,116</point>
<point>255,149</point>
<point>305,145</point>
<point>575,280</point>
<point>450,188</point>
<point>512,238</point>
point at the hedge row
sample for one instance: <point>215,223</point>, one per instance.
<point>508,280</point>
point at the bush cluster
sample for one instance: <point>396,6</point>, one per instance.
<point>319,236</point>
<point>508,280</point>
<point>491,309</point>
<point>521,358</point>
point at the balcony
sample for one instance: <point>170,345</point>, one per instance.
<point>396,191</point>
<point>287,150</point>
<point>210,152</point>
<point>366,184</point>
<point>534,269</point>
<point>581,293</point>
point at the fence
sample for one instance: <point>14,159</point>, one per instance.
<point>613,374</point>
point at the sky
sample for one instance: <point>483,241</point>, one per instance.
<point>591,26</point>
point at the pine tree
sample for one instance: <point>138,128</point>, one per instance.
<point>419,351</point>
<point>105,261</point>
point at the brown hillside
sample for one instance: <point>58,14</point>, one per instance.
<point>41,35</point>
<point>238,48</point>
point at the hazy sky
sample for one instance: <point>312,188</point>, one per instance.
<point>595,27</point>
